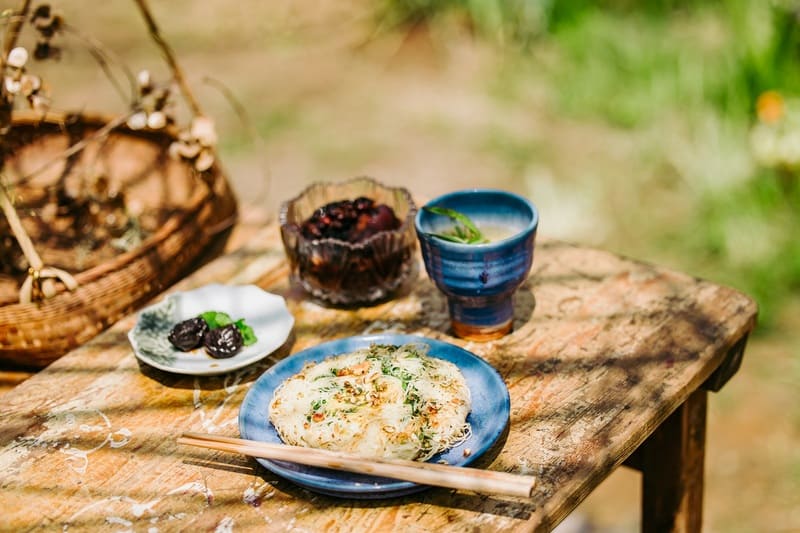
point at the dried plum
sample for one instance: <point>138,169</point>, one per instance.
<point>350,220</point>
<point>223,342</point>
<point>189,334</point>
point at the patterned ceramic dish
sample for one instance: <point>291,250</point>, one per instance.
<point>479,280</point>
<point>265,312</point>
<point>342,273</point>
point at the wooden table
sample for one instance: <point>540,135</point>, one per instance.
<point>609,363</point>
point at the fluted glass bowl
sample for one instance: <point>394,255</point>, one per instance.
<point>344,273</point>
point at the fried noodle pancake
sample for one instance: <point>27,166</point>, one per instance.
<point>382,401</point>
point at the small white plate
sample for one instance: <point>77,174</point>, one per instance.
<point>265,312</point>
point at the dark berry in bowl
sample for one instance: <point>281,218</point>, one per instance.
<point>188,334</point>
<point>223,342</point>
<point>378,218</point>
<point>349,220</point>
<point>350,243</point>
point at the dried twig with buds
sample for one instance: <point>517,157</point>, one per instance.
<point>197,144</point>
<point>47,23</point>
<point>18,82</point>
<point>151,106</point>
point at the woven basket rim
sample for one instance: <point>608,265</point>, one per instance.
<point>193,204</point>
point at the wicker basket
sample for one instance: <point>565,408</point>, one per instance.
<point>188,214</point>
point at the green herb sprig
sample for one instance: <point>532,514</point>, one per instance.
<point>464,230</point>
<point>218,319</point>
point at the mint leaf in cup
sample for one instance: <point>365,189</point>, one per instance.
<point>464,230</point>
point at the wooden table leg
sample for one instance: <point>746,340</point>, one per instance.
<point>672,470</point>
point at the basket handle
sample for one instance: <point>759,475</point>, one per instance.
<point>40,282</point>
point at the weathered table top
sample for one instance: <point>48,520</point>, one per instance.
<point>603,350</point>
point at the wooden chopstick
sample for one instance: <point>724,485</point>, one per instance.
<point>454,477</point>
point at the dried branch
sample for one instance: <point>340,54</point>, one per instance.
<point>102,55</point>
<point>77,147</point>
<point>40,282</point>
<point>12,32</point>
<point>177,73</point>
<point>238,108</point>
<point>16,228</point>
<point>15,23</point>
<point>241,112</point>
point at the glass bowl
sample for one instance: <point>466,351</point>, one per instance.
<point>341,272</point>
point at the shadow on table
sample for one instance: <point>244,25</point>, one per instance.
<point>443,497</point>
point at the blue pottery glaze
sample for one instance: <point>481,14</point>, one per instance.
<point>479,279</point>
<point>488,418</point>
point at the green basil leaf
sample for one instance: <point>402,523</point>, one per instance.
<point>216,319</point>
<point>247,332</point>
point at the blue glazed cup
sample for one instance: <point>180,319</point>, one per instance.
<point>479,280</point>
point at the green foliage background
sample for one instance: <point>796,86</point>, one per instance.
<point>697,65</point>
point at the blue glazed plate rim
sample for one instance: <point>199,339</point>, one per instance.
<point>488,418</point>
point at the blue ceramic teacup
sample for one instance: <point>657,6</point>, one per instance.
<point>479,279</point>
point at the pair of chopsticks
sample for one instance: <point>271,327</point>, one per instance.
<point>439,475</point>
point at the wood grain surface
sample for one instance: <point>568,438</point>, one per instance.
<point>603,350</point>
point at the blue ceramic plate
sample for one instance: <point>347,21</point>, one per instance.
<point>489,416</point>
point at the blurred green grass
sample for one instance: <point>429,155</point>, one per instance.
<point>692,68</point>
<point>699,62</point>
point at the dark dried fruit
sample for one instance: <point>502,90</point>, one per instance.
<point>350,220</point>
<point>189,334</point>
<point>223,342</point>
